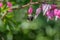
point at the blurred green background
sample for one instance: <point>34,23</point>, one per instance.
<point>16,27</point>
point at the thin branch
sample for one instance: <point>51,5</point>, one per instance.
<point>32,3</point>
<point>23,6</point>
<point>30,0</point>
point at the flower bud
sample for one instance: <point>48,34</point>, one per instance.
<point>30,10</point>
<point>1,4</point>
<point>38,10</point>
<point>9,4</point>
<point>57,14</point>
<point>10,10</point>
<point>53,6</point>
<point>50,14</point>
<point>45,8</point>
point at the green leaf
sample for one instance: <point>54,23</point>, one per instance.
<point>9,36</point>
<point>57,36</point>
<point>40,37</point>
<point>50,31</point>
<point>2,28</point>
<point>25,25</point>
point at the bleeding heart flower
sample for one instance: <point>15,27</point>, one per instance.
<point>9,4</point>
<point>53,6</point>
<point>56,12</point>
<point>59,13</point>
<point>1,4</point>
<point>10,10</point>
<point>30,10</point>
<point>38,10</point>
<point>50,14</point>
<point>45,8</point>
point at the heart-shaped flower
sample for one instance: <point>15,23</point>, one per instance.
<point>30,10</point>
<point>1,4</point>
<point>45,8</point>
<point>50,14</point>
<point>53,6</point>
<point>57,14</point>
<point>9,4</point>
<point>38,10</point>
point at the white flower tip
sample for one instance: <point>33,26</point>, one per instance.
<point>29,15</point>
<point>47,19</point>
<point>56,18</point>
<point>35,16</point>
<point>43,14</point>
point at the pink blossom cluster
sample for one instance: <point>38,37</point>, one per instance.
<point>50,11</point>
<point>9,5</point>
<point>53,13</point>
<point>38,10</point>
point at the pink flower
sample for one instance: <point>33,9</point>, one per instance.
<point>38,10</point>
<point>53,6</point>
<point>47,13</point>
<point>1,4</point>
<point>10,10</point>
<point>50,14</point>
<point>9,4</point>
<point>45,8</point>
<point>56,12</point>
<point>59,13</point>
<point>30,10</point>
